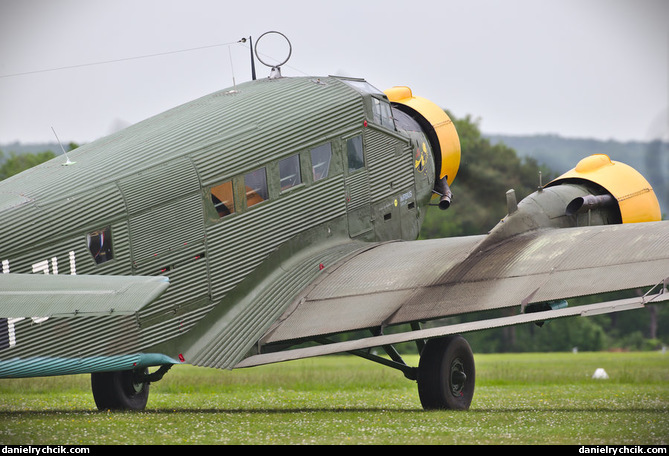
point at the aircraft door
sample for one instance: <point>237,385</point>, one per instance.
<point>394,210</point>
<point>358,207</point>
<point>166,229</point>
<point>392,186</point>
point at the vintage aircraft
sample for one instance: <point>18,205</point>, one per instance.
<point>259,223</point>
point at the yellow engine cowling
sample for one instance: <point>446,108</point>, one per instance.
<point>635,196</point>
<point>438,126</point>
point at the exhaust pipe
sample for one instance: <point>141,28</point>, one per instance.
<point>441,188</point>
<point>586,203</point>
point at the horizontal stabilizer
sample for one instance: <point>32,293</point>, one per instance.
<point>42,295</point>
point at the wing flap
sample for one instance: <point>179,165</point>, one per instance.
<point>43,295</point>
<point>422,280</point>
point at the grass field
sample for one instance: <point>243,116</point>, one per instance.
<point>519,399</point>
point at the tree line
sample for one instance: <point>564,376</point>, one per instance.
<point>16,163</point>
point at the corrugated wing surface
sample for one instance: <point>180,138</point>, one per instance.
<point>422,280</point>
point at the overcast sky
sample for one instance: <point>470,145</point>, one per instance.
<point>577,68</point>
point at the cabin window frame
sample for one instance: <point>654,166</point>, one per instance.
<point>232,191</point>
<point>291,160</point>
<point>326,147</point>
<point>100,245</point>
<point>362,155</point>
<point>261,177</point>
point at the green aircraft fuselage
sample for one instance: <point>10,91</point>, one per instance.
<point>240,199</point>
<point>215,195</point>
<point>229,231</point>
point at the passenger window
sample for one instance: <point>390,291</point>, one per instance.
<point>256,187</point>
<point>382,113</point>
<point>356,159</point>
<point>223,199</point>
<point>289,172</point>
<point>100,245</point>
<point>320,161</point>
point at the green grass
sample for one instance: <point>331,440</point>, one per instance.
<point>519,399</point>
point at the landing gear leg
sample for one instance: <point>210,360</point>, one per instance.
<point>122,390</point>
<point>446,374</point>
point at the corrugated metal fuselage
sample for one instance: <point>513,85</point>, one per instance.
<point>280,154</point>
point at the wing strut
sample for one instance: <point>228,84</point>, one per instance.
<point>361,347</point>
<point>395,361</point>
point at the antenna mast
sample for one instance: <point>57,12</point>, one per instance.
<point>68,162</point>
<point>253,62</point>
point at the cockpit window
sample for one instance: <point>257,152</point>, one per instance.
<point>289,172</point>
<point>256,187</point>
<point>100,245</point>
<point>405,122</point>
<point>223,199</point>
<point>382,113</point>
<point>362,86</point>
<point>320,161</point>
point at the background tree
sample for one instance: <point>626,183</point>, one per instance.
<point>17,162</point>
<point>479,191</point>
<point>20,162</point>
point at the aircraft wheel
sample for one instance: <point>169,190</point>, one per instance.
<point>446,374</point>
<point>119,391</point>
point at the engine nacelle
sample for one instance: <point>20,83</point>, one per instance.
<point>598,191</point>
<point>440,132</point>
<point>632,193</point>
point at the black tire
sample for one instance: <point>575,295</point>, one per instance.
<point>119,391</point>
<point>446,374</point>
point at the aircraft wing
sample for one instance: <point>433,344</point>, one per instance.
<point>43,295</point>
<point>411,281</point>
